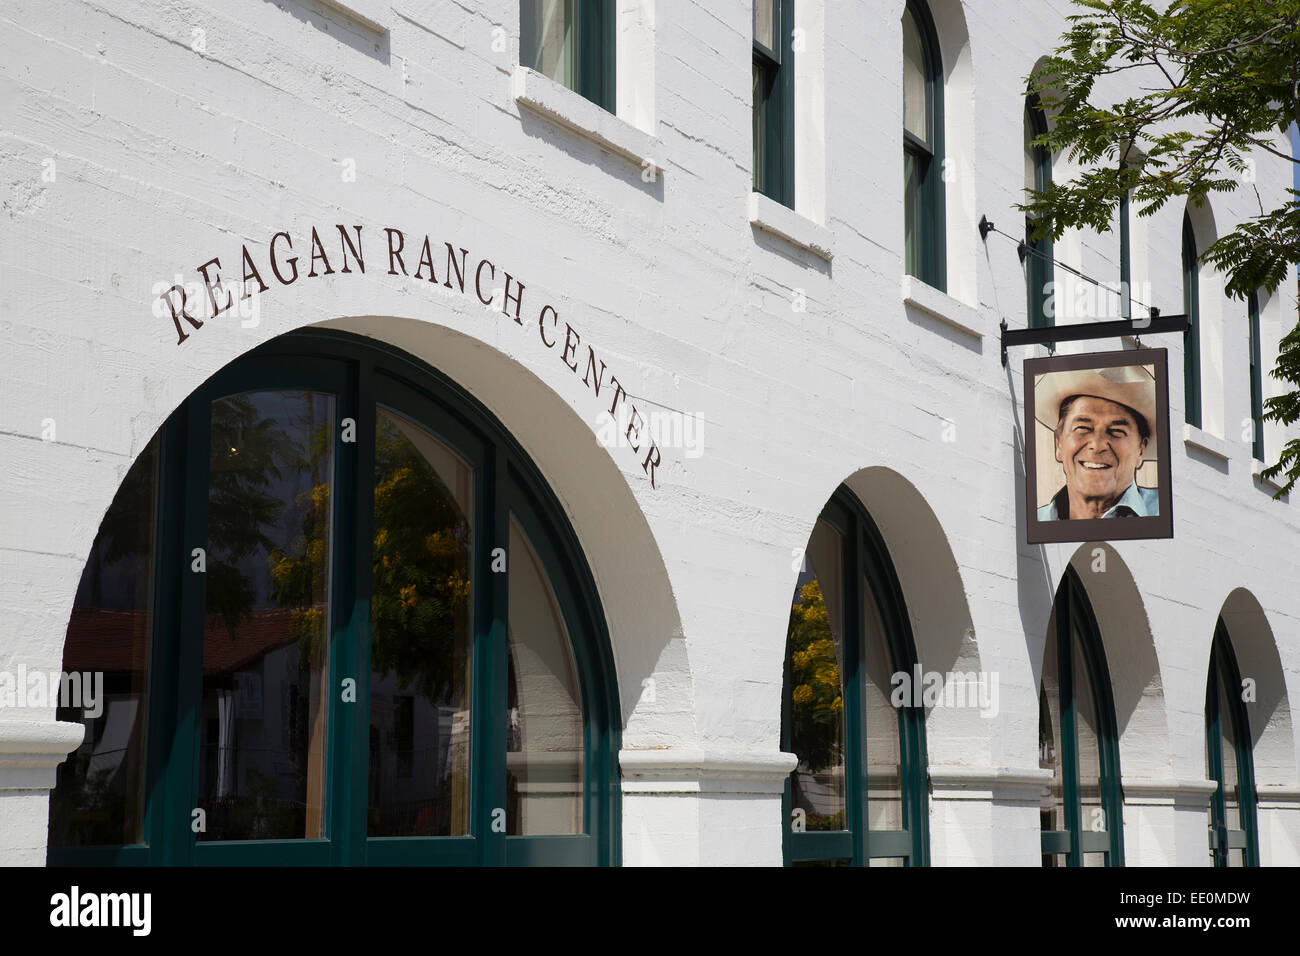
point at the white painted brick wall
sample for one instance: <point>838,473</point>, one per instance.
<point>166,157</point>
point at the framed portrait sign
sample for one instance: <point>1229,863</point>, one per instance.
<point>1097,447</point>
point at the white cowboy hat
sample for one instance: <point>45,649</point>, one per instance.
<point>1131,385</point>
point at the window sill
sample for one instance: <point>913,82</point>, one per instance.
<point>942,306</point>
<point>770,216</point>
<point>1257,472</point>
<point>556,102</point>
<point>1204,441</point>
<point>369,13</point>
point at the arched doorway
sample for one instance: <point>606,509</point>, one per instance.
<point>342,620</point>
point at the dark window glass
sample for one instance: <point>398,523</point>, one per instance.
<point>99,796</point>
<point>262,749</point>
<point>420,634</point>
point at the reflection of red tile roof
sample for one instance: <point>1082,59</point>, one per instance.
<point>100,640</point>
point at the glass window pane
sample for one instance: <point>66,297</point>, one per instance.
<point>916,105</point>
<point>1052,807</point>
<point>1092,814</point>
<point>544,727</point>
<point>759,95</point>
<point>262,725</point>
<point>882,732</point>
<point>546,38</point>
<point>767,23</point>
<point>1094,859</point>
<point>420,647</point>
<point>99,795</point>
<point>911,212</point>
<point>816,695</point>
<point>1055,859</point>
<point>1228,743</point>
<point>887,861</point>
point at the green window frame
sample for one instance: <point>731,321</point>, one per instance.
<point>1256,380</point>
<point>1192,337</point>
<point>1076,630</point>
<point>1226,717</point>
<point>773,100</point>
<point>1040,269</point>
<point>583,52</point>
<point>366,379</point>
<point>864,562</point>
<point>924,229</point>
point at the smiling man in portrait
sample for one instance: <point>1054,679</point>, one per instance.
<point>1103,421</point>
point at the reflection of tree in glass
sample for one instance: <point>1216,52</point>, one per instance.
<point>300,572</point>
<point>817,702</point>
<point>245,453</point>
<point>420,595</point>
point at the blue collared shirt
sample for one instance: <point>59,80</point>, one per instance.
<point>1136,502</point>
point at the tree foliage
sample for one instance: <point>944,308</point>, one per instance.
<point>818,704</point>
<point>1213,84</point>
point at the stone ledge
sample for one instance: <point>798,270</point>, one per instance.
<point>1147,791</point>
<point>705,771</point>
<point>1277,796</point>
<point>1211,444</point>
<point>556,102</point>
<point>368,13</point>
<point>1257,469</point>
<point>770,216</point>
<point>988,783</point>
<point>941,305</point>
<point>31,750</point>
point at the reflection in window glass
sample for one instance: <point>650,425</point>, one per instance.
<point>262,723</point>
<point>915,103</point>
<point>815,646</point>
<point>884,747</point>
<point>1228,746</point>
<point>420,635</point>
<point>546,38</point>
<point>766,23</point>
<point>544,708</point>
<point>98,799</point>
<point>1091,814</point>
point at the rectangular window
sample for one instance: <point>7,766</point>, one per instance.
<point>773,90</point>
<point>572,42</point>
<point>1192,337</point>
<point>1256,383</point>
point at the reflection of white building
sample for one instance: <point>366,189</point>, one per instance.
<point>142,140</point>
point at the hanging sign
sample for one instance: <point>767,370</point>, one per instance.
<point>1097,447</point>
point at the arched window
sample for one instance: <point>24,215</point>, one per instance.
<point>341,620</point>
<point>1077,742</point>
<point>858,795</point>
<point>1256,381</point>
<point>1233,830</point>
<point>1039,267</point>
<point>1192,337</point>
<point>923,201</point>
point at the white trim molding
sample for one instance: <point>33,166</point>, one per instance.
<point>1167,792</point>
<point>556,102</point>
<point>31,751</point>
<point>941,305</point>
<point>672,770</point>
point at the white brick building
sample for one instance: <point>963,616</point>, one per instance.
<point>772,353</point>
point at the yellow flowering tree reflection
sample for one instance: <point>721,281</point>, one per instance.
<point>817,699</point>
